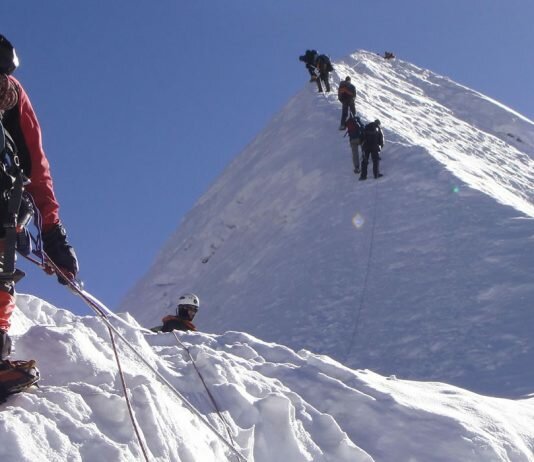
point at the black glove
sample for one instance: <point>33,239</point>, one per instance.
<point>60,252</point>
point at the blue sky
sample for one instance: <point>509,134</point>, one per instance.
<point>143,104</point>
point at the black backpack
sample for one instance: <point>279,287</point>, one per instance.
<point>324,64</point>
<point>372,136</point>
<point>309,57</point>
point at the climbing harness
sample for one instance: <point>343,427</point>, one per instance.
<point>12,181</point>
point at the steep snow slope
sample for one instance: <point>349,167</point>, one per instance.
<point>280,405</point>
<point>425,273</point>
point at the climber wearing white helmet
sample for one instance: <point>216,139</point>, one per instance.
<point>185,312</point>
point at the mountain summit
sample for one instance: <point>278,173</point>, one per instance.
<point>425,273</point>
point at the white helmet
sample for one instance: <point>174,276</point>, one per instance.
<point>189,299</point>
<point>187,306</point>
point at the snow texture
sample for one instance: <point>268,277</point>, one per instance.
<point>425,273</point>
<point>388,311</point>
<point>278,404</point>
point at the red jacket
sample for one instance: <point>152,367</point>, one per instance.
<point>171,323</point>
<point>21,122</point>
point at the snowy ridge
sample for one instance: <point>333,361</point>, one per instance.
<point>280,404</point>
<point>425,274</point>
<point>486,145</point>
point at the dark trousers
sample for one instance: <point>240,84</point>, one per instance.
<point>365,162</point>
<point>324,78</point>
<point>345,105</point>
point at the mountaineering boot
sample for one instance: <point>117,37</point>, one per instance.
<point>16,376</point>
<point>363,178</point>
<point>379,176</point>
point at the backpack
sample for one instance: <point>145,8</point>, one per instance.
<point>309,57</point>
<point>354,128</point>
<point>324,64</point>
<point>372,136</point>
<point>346,91</point>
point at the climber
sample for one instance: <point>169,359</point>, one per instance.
<point>185,312</point>
<point>373,142</point>
<point>346,95</point>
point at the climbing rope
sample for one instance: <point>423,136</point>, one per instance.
<point>366,276</point>
<point>127,398</point>
<point>212,398</point>
<point>100,309</point>
<point>117,360</point>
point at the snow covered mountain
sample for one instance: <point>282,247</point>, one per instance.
<point>277,404</point>
<point>425,273</point>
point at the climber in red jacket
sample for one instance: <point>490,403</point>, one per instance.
<point>24,172</point>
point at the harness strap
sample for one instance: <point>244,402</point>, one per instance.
<point>12,186</point>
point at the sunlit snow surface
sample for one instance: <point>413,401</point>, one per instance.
<point>281,405</point>
<point>425,273</point>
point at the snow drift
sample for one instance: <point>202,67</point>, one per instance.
<point>279,404</point>
<point>425,273</point>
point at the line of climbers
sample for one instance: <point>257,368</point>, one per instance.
<point>369,137</point>
<point>26,188</point>
<point>319,67</point>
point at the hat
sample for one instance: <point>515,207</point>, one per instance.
<point>347,79</point>
<point>8,93</point>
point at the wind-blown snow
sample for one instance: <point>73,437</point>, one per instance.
<point>280,405</point>
<point>425,273</point>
